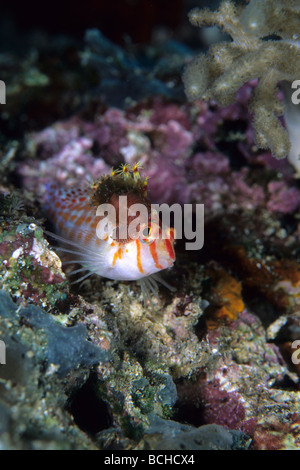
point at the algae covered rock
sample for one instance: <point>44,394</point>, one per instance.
<point>39,353</point>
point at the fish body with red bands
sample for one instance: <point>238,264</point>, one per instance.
<point>73,213</point>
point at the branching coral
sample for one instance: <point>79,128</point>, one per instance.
<point>251,54</point>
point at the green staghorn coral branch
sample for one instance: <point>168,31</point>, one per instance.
<point>251,54</point>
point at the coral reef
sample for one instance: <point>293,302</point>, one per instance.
<point>29,269</point>
<point>38,420</point>
<point>162,136</point>
<point>187,339</point>
<point>90,365</point>
<point>225,391</point>
<point>252,53</point>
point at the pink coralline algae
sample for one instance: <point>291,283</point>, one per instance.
<point>186,150</point>
<point>215,405</point>
<point>29,269</point>
<point>225,391</point>
<point>282,198</point>
<point>64,157</point>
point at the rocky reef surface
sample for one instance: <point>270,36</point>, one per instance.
<point>91,365</point>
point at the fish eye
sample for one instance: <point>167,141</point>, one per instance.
<point>147,232</point>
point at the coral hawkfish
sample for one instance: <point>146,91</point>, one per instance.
<point>99,248</point>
